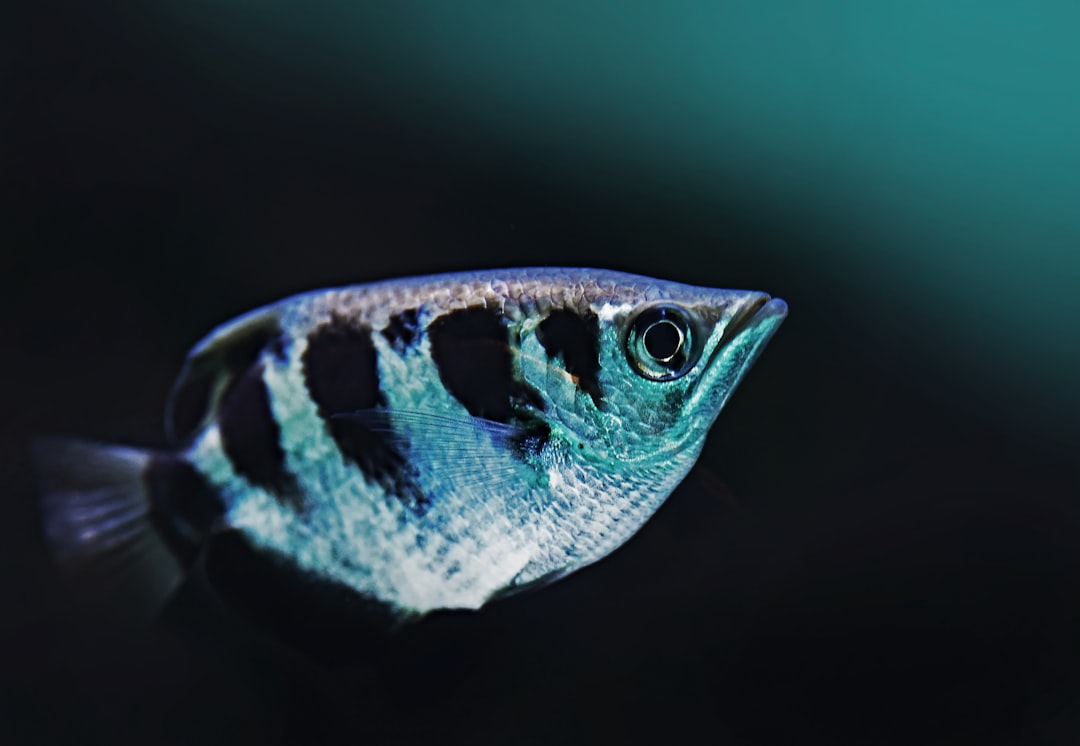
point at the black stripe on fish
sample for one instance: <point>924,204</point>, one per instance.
<point>342,376</point>
<point>184,506</point>
<point>341,367</point>
<point>576,339</point>
<point>208,373</point>
<point>251,437</point>
<point>471,349</point>
<point>533,436</point>
<point>403,329</point>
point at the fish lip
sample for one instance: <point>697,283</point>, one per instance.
<point>751,316</point>
<point>762,307</point>
<point>758,319</point>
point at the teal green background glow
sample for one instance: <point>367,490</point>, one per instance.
<point>927,152</point>
<point>883,544</point>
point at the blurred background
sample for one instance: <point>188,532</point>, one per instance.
<point>884,547</point>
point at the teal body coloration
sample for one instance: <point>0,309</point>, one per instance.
<point>427,443</point>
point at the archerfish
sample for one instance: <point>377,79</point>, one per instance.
<point>421,443</point>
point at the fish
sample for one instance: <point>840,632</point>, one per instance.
<point>419,444</point>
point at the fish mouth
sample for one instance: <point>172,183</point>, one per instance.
<point>745,336</point>
<point>762,308</point>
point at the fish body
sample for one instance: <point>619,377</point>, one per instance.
<point>426,443</point>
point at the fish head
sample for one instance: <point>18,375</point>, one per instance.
<point>669,357</point>
<point>633,375</point>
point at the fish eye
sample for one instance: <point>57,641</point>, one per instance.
<point>660,344</point>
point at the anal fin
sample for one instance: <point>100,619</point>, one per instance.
<point>323,619</point>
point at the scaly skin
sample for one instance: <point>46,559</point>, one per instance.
<point>493,516</point>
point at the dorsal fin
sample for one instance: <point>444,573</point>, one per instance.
<point>214,364</point>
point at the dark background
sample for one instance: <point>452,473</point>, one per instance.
<point>885,546</point>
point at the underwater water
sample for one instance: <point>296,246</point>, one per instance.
<point>885,547</point>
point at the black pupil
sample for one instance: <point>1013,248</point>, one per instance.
<point>662,340</point>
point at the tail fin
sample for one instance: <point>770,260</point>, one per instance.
<point>97,521</point>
